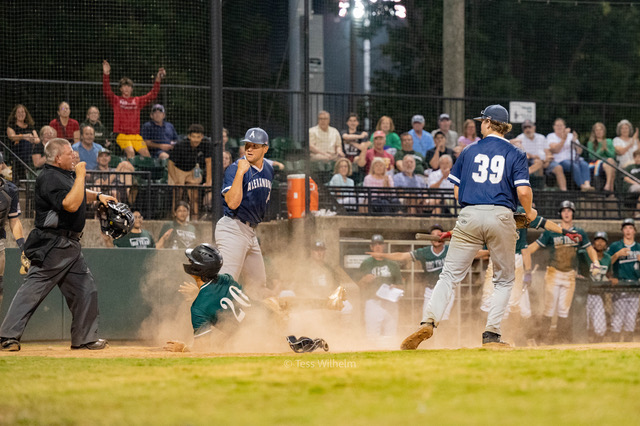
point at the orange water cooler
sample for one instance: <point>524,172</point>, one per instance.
<point>296,194</point>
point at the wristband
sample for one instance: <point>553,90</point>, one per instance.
<point>98,196</point>
<point>566,232</point>
<point>543,222</point>
<point>20,242</point>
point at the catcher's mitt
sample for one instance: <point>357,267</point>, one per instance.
<point>25,264</point>
<point>522,221</point>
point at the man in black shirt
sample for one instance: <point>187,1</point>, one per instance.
<point>55,253</point>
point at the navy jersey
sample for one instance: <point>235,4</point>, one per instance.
<point>488,172</point>
<point>256,192</point>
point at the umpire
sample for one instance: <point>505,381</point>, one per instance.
<point>55,253</point>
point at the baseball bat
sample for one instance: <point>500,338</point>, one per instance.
<point>427,237</point>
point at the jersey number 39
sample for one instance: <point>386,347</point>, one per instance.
<point>495,164</point>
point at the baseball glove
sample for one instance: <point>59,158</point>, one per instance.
<point>522,221</point>
<point>25,264</point>
<point>175,346</point>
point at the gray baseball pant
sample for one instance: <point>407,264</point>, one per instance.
<point>476,226</point>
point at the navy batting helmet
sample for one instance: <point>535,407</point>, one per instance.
<point>256,135</point>
<point>205,261</point>
<point>566,204</point>
<point>116,220</point>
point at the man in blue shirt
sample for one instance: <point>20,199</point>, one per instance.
<point>87,149</point>
<point>422,141</point>
<point>246,191</point>
<point>159,135</point>
<point>490,177</point>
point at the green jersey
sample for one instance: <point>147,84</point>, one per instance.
<point>634,169</point>
<point>385,271</point>
<point>626,268</point>
<point>218,299</point>
<point>584,266</point>
<point>140,240</point>
<point>521,242</point>
<point>563,249</point>
<point>432,263</point>
<point>182,237</point>
<point>416,156</point>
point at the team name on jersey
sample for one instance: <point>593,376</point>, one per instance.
<point>381,271</point>
<point>140,242</point>
<point>130,103</point>
<point>259,183</point>
<point>433,265</point>
<point>631,257</point>
<point>563,240</point>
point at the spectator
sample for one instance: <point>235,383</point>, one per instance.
<point>422,141</point>
<point>407,178</point>
<point>93,120</point>
<point>566,157</point>
<point>227,159</point>
<point>625,144</point>
<point>625,258</point>
<point>126,111</point>
<point>631,186</point>
<point>392,140</point>
<point>225,138</point>
<point>353,141</point>
<point>438,179</point>
<point>137,238</point>
<point>341,172</point>
<point>433,155</point>
<point>87,148</point>
<point>324,141</point>
<point>535,145</point>
<point>118,182</point>
<point>377,151</point>
<point>22,133</point>
<point>159,135</point>
<point>468,137</point>
<point>66,127</point>
<point>378,177</point>
<point>186,161</point>
<point>37,154</point>
<point>601,145</point>
<point>378,275</point>
<point>178,234</point>
<point>408,149</point>
<point>444,126</point>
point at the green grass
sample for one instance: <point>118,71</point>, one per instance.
<point>457,387</point>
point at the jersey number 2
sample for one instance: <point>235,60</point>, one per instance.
<point>495,163</point>
<point>239,297</point>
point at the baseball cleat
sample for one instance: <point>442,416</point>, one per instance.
<point>413,341</point>
<point>337,298</point>
<point>11,345</point>
<point>93,346</point>
<point>492,340</point>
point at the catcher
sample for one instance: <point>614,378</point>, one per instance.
<point>220,303</point>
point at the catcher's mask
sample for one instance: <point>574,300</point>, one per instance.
<point>116,220</point>
<point>306,344</point>
<point>205,261</point>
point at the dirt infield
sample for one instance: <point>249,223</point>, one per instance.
<point>138,350</point>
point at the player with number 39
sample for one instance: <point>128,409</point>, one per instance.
<point>490,176</point>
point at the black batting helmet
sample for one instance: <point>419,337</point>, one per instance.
<point>566,204</point>
<point>116,220</point>
<point>205,261</point>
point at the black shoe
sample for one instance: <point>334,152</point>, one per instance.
<point>94,346</point>
<point>493,339</point>
<point>11,345</point>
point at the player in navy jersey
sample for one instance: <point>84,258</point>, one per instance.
<point>490,176</point>
<point>246,191</point>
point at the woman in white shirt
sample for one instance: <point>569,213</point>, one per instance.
<point>566,157</point>
<point>625,144</point>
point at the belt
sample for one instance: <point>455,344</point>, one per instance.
<point>72,235</point>
<point>246,222</point>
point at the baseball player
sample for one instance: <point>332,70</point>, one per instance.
<point>560,278</point>
<point>490,176</point>
<point>596,317</point>
<point>519,303</point>
<point>246,191</point>
<point>625,258</point>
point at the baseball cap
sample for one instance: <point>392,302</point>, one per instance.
<point>417,119</point>
<point>628,221</point>
<point>601,234</point>
<point>377,238</point>
<point>157,107</point>
<point>494,112</point>
<point>378,134</point>
<point>256,135</point>
<point>104,151</point>
<point>318,245</point>
<point>444,117</point>
<point>527,123</point>
<point>436,226</point>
